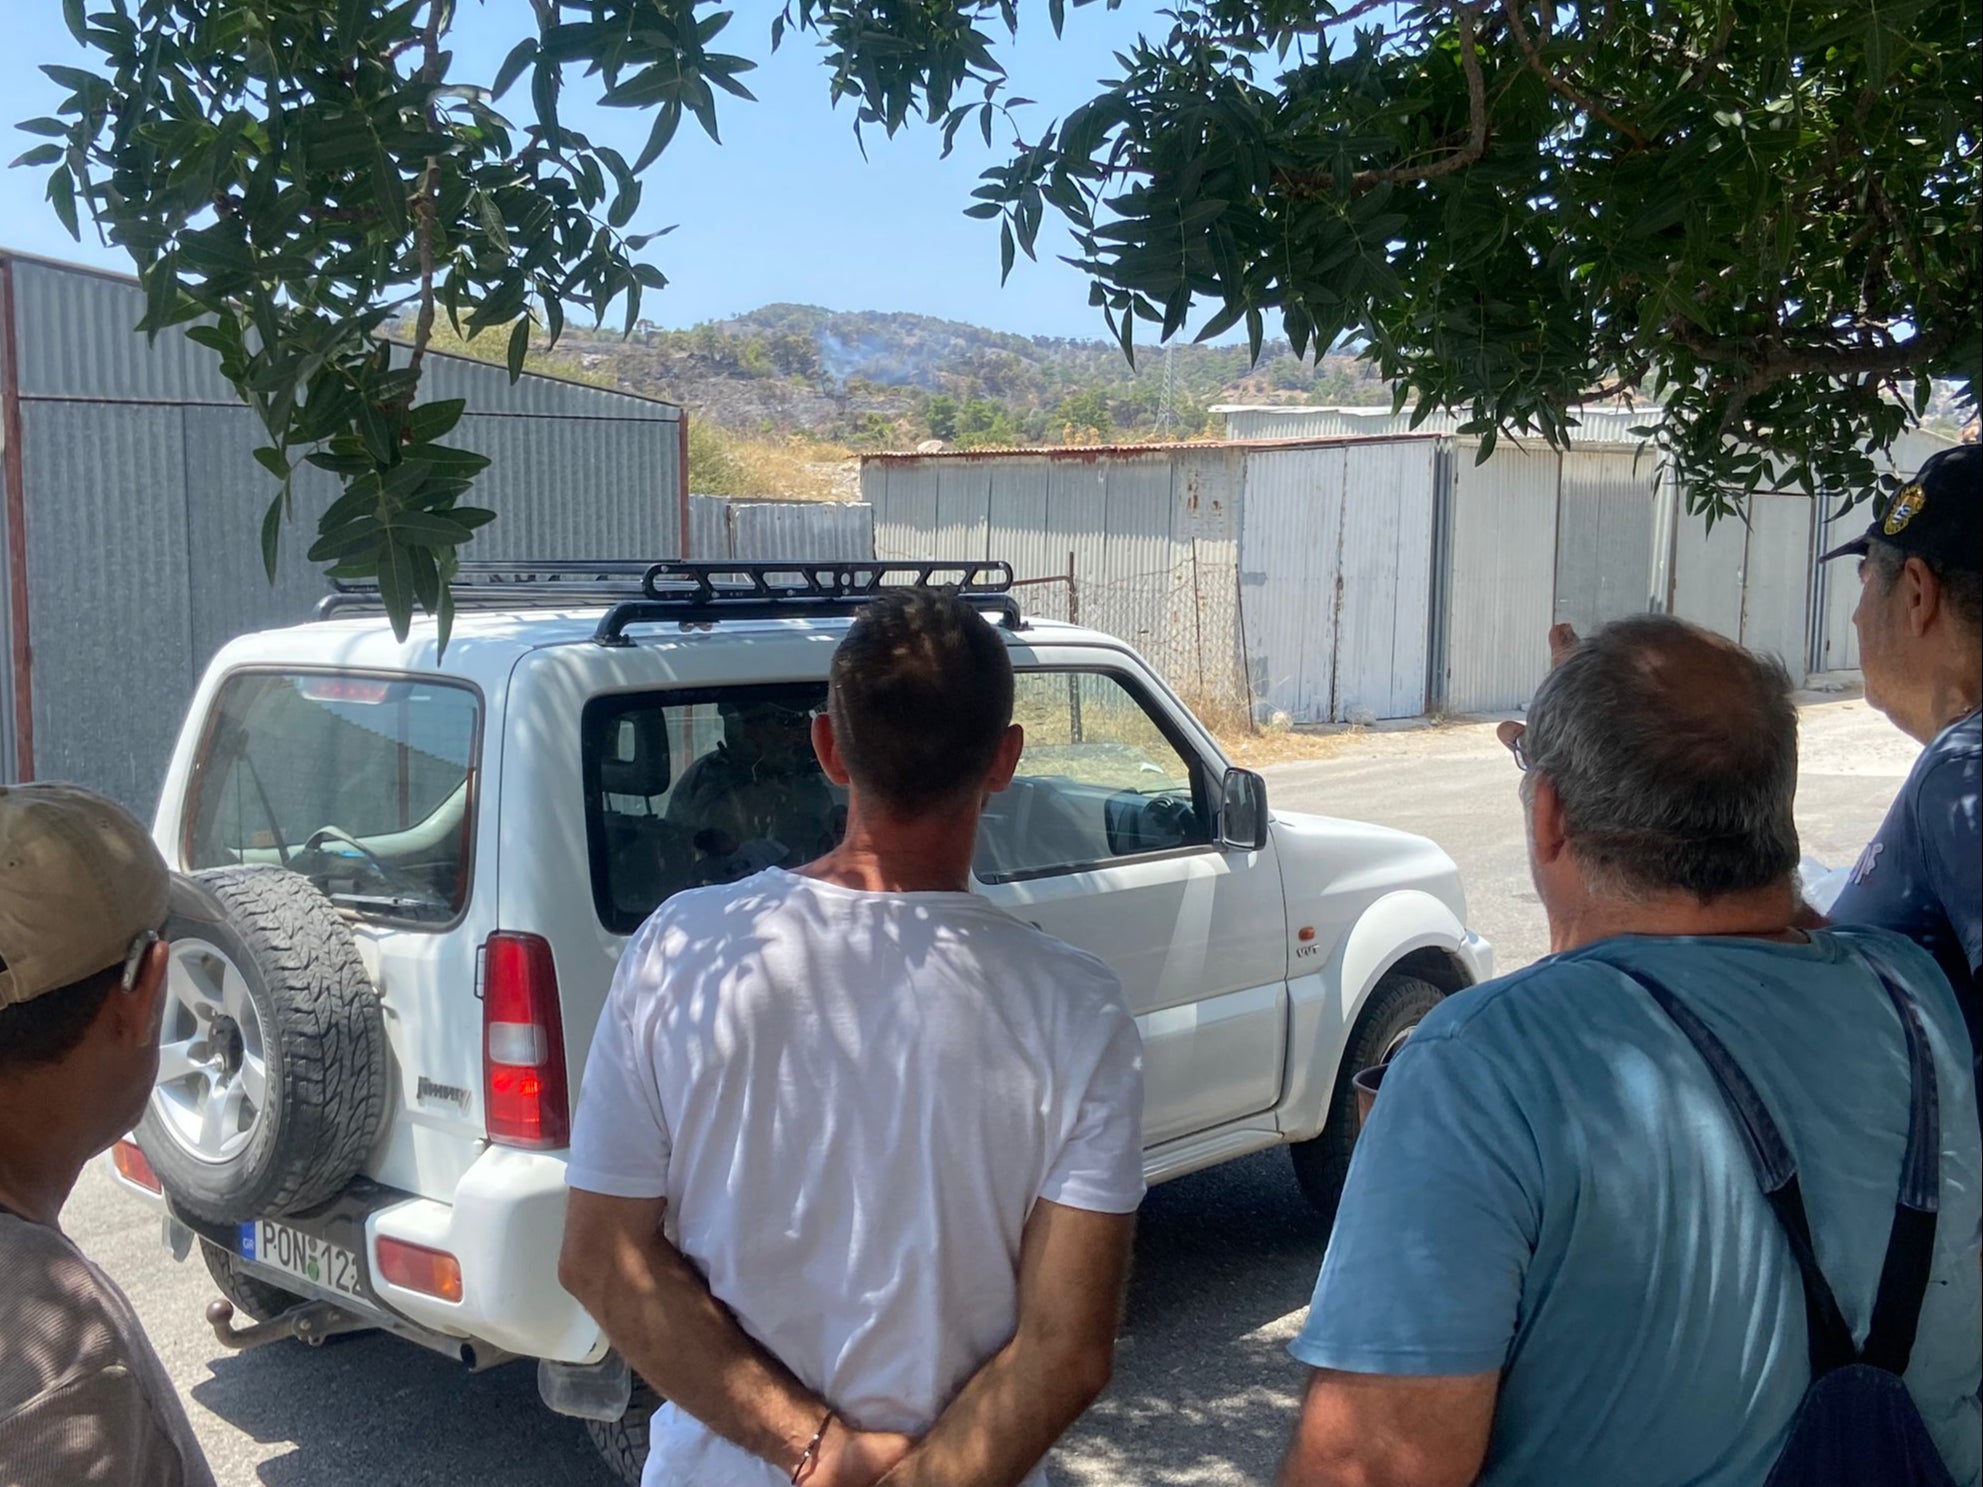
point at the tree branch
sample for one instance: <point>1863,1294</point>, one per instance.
<point>1768,359</point>
<point>430,185</point>
<point>1591,106</point>
<point>1300,184</point>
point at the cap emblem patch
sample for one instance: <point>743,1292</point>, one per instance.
<point>1907,504</point>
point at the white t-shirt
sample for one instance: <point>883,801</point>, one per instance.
<point>851,1102</point>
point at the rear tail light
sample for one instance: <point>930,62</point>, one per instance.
<point>523,1044</point>
<point>134,1166</point>
<point>414,1267</point>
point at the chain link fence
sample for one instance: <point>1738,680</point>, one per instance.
<point>1185,619</point>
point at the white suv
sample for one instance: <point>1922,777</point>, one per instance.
<point>429,860</point>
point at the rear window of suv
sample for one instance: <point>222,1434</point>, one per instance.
<point>686,788</point>
<point>363,784</point>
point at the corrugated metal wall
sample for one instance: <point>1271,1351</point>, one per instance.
<point>1379,577</point>
<point>1604,536</point>
<point>1147,537</point>
<point>143,509</point>
<point>1597,425</point>
<point>1160,544</point>
<point>726,527</point>
<point>1336,563</point>
<point>1290,550</point>
<point>1499,570</point>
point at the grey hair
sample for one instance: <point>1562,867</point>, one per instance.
<point>1674,754</point>
<point>1962,588</point>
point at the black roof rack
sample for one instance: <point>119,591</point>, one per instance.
<point>565,583</point>
<point>703,592</point>
<point>700,591</point>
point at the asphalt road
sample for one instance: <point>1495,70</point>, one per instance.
<point>1204,1390</point>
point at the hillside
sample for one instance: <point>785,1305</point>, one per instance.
<point>872,379</point>
<point>781,398</point>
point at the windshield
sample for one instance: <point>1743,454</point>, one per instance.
<point>361,784</point>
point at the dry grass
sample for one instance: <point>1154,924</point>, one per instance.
<point>1251,746</point>
<point>722,463</point>
<point>1251,750</point>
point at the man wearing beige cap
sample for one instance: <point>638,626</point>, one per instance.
<point>83,896</point>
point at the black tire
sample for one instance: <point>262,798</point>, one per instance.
<point>324,1055</point>
<point>1394,1009</point>
<point>253,1297</point>
<point>623,1442</point>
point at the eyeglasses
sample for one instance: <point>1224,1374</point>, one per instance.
<point>1514,736</point>
<point>139,947</point>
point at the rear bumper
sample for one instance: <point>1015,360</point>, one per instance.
<point>505,1227</point>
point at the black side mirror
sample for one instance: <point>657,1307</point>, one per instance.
<point>1243,811</point>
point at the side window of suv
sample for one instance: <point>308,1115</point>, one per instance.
<point>689,788</point>
<point>1100,781</point>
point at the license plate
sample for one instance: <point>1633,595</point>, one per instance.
<point>302,1255</point>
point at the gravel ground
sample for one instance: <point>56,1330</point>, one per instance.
<point>1204,1390</point>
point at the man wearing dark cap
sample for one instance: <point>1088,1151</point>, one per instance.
<point>1920,623</point>
<point>83,897</point>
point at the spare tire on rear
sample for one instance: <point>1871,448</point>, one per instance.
<point>272,1053</point>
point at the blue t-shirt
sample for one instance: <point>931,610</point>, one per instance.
<point>1550,1185</point>
<point>1922,874</point>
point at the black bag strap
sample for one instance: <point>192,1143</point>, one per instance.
<point>1911,1241</point>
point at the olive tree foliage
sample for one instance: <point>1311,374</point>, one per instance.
<point>1761,214</point>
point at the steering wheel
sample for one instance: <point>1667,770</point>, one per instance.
<point>1173,815</point>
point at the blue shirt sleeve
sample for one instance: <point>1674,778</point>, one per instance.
<point>1945,822</point>
<point>1437,1225</point>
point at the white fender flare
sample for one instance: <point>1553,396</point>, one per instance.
<point>1323,1006</point>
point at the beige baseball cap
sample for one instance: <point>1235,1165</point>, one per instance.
<point>80,881</point>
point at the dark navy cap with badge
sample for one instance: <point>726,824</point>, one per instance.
<point>1938,515</point>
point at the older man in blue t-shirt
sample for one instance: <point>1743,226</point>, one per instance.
<point>1920,624</point>
<point>1554,1264</point>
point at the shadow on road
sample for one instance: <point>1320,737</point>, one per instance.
<point>377,1410</point>
<point>1204,1391</point>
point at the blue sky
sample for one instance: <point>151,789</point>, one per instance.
<point>785,210</point>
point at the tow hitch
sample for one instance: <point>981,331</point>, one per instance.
<point>308,1321</point>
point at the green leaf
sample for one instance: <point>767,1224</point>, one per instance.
<point>624,205</point>
<point>72,16</point>
<point>430,421</point>
<point>519,347</point>
<point>342,464</point>
<point>271,459</point>
<point>396,587</point>
<point>426,529</point>
<point>39,155</point>
<point>62,196</point>
<point>444,615</point>
<point>272,531</point>
<point>667,119</point>
<point>376,430</point>
<point>521,56</point>
<point>361,536</point>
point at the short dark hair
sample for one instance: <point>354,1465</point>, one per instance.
<point>1674,753</point>
<point>48,1028</point>
<point>1962,588</point>
<point>920,692</point>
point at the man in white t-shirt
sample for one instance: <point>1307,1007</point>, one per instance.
<point>857,1153</point>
